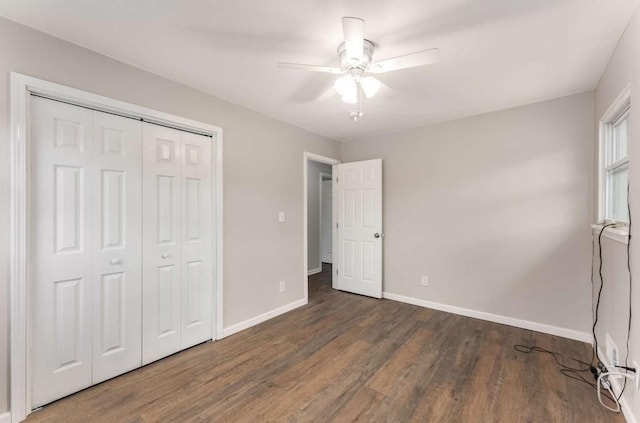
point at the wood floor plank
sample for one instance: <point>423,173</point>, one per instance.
<point>345,358</point>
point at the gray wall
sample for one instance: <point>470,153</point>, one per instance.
<point>313,211</point>
<point>262,171</point>
<point>623,68</point>
<point>495,209</point>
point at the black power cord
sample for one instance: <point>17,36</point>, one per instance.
<point>576,372</point>
<point>626,357</point>
<point>526,349</point>
<point>595,319</point>
<point>566,370</point>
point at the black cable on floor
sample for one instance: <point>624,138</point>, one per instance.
<point>526,349</point>
<point>577,376</point>
<point>565,370</point>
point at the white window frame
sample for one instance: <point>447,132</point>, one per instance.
<point>619,109</point>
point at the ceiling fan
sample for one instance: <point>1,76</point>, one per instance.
<point>355,55</point>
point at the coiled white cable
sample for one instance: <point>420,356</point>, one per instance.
<point>608,388</point>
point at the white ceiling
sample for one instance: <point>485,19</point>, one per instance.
<point>494,54</point>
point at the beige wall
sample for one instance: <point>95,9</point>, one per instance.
<point>262,170</point>
<point>313,211</point>
<point>495,209</point>
<point>623,68</point>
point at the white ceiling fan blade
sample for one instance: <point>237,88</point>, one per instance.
<point>412,60</point>
<point>313,68</point>
<point>353,29</point>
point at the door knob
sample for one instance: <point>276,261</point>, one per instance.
<point>376,235</point>
<point>116,261</point>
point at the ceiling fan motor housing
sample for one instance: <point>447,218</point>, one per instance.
<point>367,54</point>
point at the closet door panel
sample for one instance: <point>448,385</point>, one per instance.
<point>197,227</point>
<point>60,279</point>
<point>162,154</point>
<point>117,344</point>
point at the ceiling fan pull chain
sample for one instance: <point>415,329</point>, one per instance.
<point>357,113</point>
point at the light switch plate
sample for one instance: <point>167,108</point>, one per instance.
<point>280,217</point>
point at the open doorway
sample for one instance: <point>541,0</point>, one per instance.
<point>318,230</point>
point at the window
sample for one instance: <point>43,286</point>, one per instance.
<point>614,161</point>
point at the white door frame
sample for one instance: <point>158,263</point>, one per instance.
<point>306,157</point>
<point>320,176</point>
<point>22,87</point>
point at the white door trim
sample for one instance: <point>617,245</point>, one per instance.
<point>22,87</point>
<point>306,157</point>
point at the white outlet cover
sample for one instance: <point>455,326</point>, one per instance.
<point>281,217</point>
<point>424,281</point>
<point>283,286</point>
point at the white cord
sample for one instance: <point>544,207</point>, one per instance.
<point>608,388</point>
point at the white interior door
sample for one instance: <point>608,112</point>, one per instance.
<point>61,249</point>
<point>117,220</point>
<point>197,238</point>
<point>359,231</point>
<point>161,242</point>
<point>326,231</point>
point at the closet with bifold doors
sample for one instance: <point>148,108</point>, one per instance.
<point>120,245</point>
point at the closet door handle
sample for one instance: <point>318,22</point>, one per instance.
<point>165,255</point>
<point>116,261</point>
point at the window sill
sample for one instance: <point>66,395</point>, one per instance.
<point>616,233</point>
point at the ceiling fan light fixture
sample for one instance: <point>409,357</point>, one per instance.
<point>345,85</point>
<point>369,85</point>
<point>350,98</point>
<point>347,88</point>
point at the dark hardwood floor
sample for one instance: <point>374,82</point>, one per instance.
<point>347,358</point>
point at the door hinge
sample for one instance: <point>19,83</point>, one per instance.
<point>336,271</point>
<point>337,180</point>
<point>337,225</point>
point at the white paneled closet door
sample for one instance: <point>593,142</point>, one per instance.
<point>85,248</point>
<point>177,235</point>
<point>197,239</point>
<point>117,220</point>
<point>161,242</point>
<point>61,275</point>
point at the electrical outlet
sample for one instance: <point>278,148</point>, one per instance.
<point>637,379</point>
<point>281,217</point>
<point>424,281</point>
<point>612,351</point>
<point>283,286</point>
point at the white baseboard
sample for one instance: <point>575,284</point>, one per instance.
<point>628,413</point>
<point>5,417</point>
<point>314,271</point>
<point>261,318</point>
<point>511,321</point>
